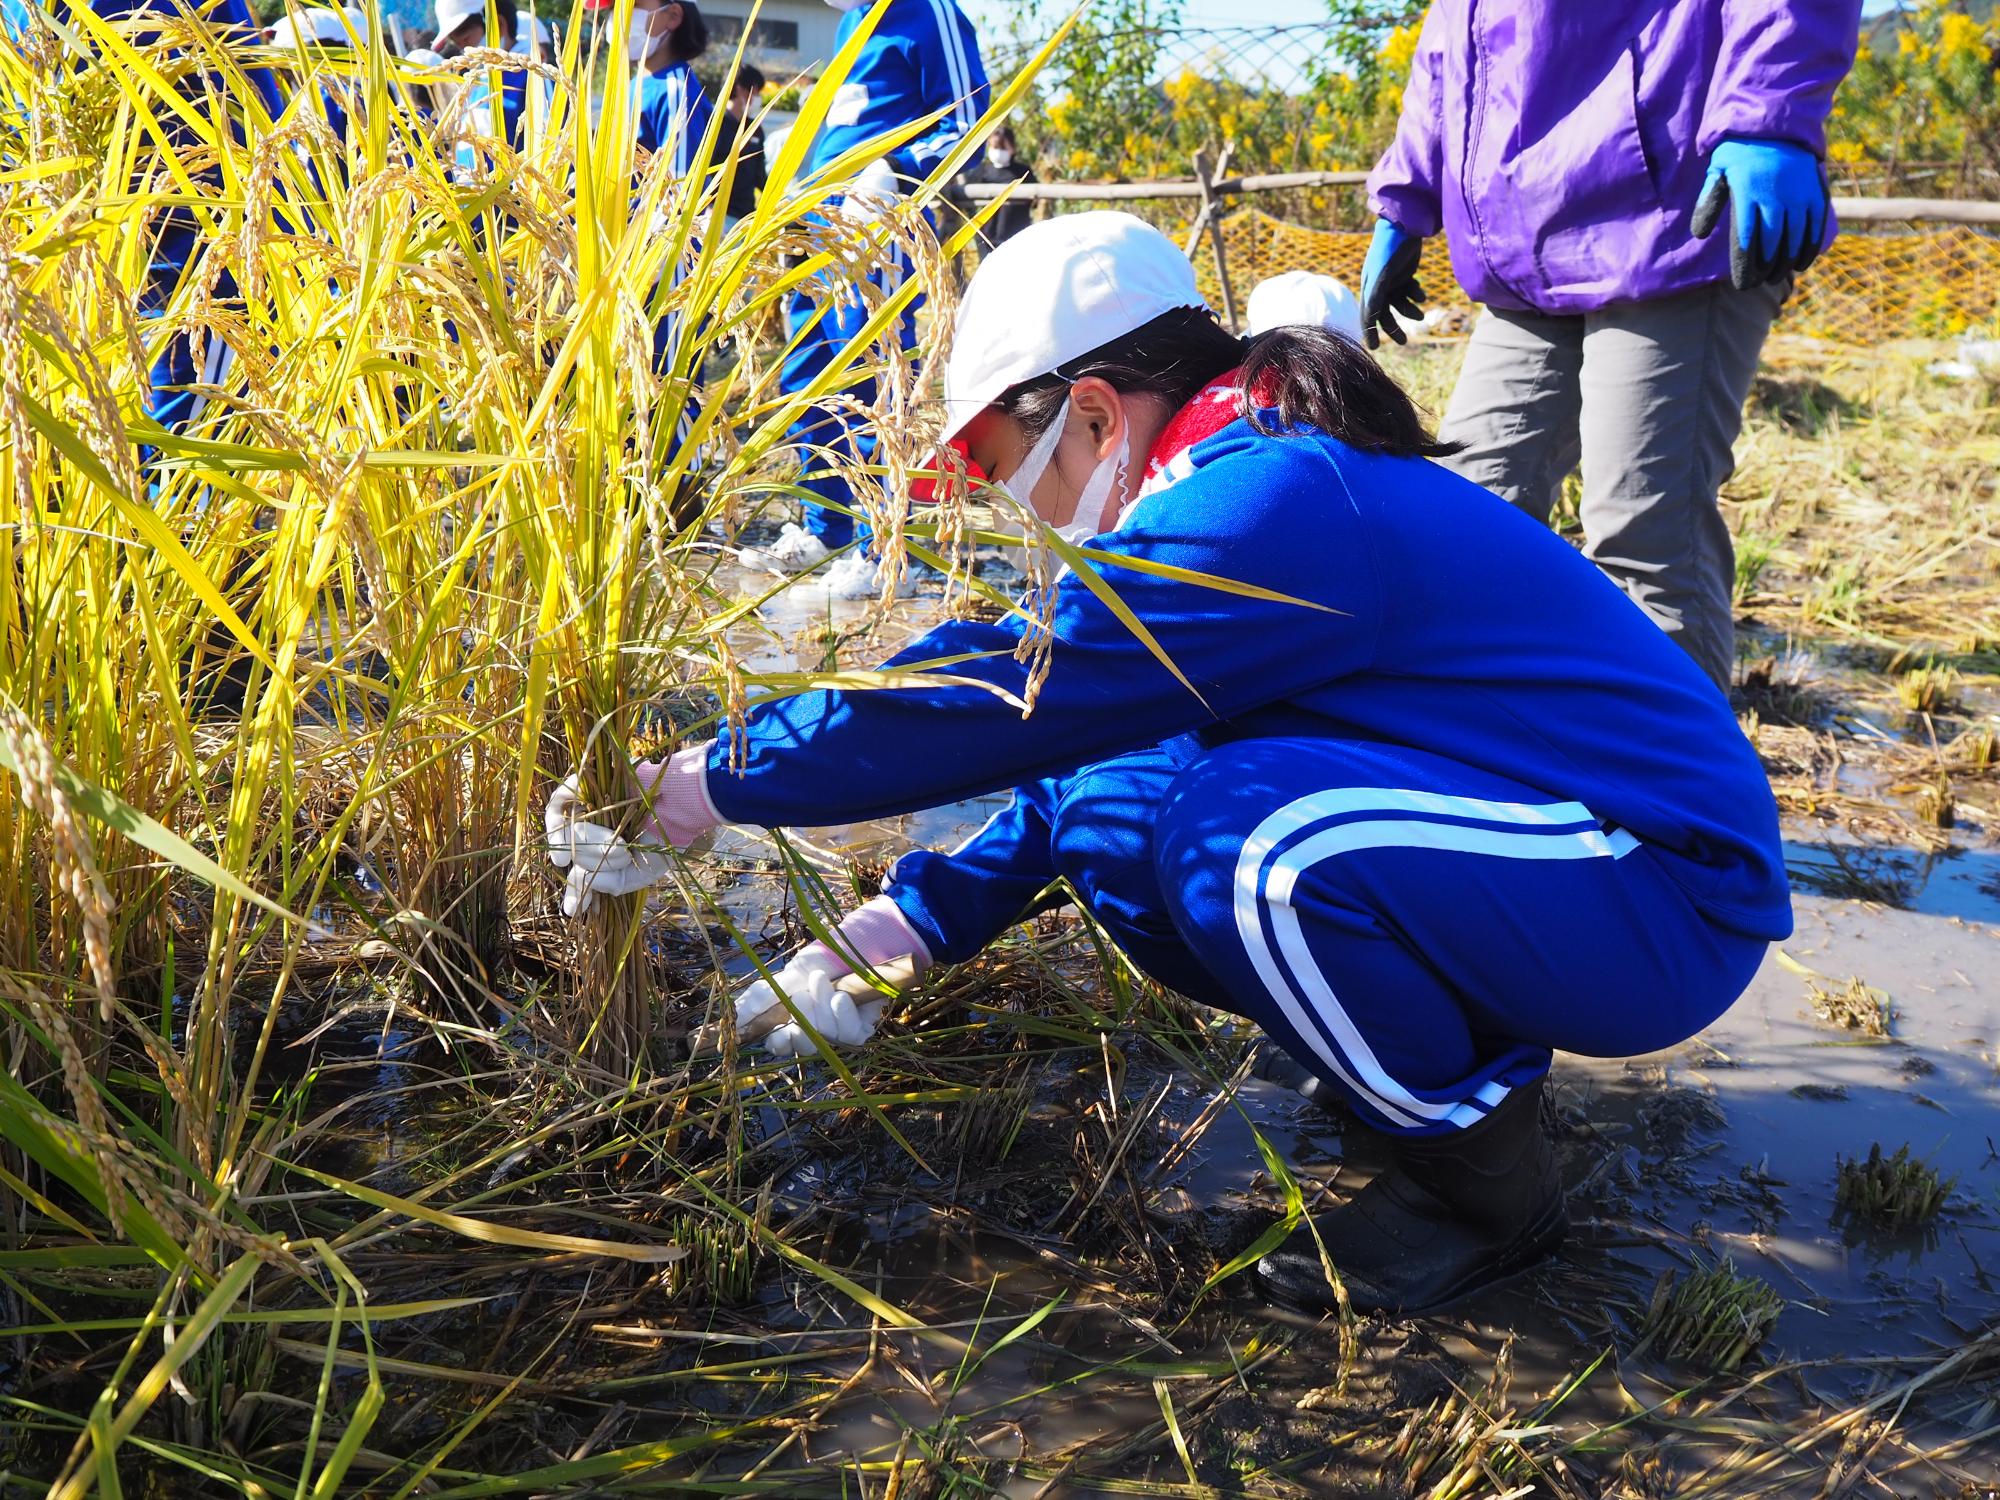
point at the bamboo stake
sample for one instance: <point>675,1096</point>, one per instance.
<point>1208,206</point>
<point>1210,201</point>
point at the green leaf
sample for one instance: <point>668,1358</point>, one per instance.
<point>59,1150</point>
<point>144,520</point>
<point>1088,576</point>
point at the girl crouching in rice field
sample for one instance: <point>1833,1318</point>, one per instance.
<point>1435,799</point>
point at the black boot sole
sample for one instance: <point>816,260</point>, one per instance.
<point>1532,1248</point>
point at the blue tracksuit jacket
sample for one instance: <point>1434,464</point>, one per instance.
<point>1437,617</point>
<point>673,115</point>
<point>230,17</point>
<point>922,57</point>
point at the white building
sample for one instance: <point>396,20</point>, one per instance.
<point>789,37</point>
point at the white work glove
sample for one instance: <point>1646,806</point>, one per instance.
<point>599,861</point>
<point>811,979</point>
<point>879,935</point>
<point>875,192</point>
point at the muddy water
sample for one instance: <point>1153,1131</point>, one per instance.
<point>1726,1147</point>
<point>1953,882</point>
<point>1794,1094</point>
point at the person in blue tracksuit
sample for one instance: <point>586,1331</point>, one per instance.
<point>1433,801</point>
<point>169,399</point>
<point>673,107</point>
<point>921,59</point>
<point>673,117</point>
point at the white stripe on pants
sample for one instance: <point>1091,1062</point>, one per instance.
<point>1265,883</point>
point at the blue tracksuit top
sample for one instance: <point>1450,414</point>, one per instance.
<point>673,115</point>
<point>922,57</point>
<point>1447,620</point>
<point>231,17</point>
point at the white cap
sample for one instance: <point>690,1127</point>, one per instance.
<point>1296,297</point>
<point>316,25</point>
<point>452,14</point>
<point>423,57</point>
<point>1054,292</point>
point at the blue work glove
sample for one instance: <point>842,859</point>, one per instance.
<point>1389,280</point>
<point>1781,204</point>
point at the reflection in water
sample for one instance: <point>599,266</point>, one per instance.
<point>1952,882</point>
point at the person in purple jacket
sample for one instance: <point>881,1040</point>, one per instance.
<point>1579,158</point>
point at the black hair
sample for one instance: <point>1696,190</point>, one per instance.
<point>1004,133</point>
<point>749,76</point>
<point>689,39</point>
<point>1314,378</point>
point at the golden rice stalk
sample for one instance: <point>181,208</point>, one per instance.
<point>72,860</point>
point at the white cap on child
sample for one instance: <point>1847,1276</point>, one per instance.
<point>452,14</point>
<point>1052,293</point>
<point>1303,297</point>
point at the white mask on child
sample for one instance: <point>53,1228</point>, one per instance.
<point>1092,517</point>
<point>847,4</point>
<point>1001,157</point>
<point>639,37</point>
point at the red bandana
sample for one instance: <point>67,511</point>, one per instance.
<point>1213,408</point>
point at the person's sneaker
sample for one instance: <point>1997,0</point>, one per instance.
<point>1451,1215</point>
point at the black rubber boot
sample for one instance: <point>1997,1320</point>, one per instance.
<point>1451,1215</point>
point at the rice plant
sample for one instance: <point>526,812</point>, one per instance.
<point>1754,553</point>
<point>1710,1318</point>
<point>288,685</point>
<point>1478,1441</point>
<point>1936,804</point>
<point>1894,1192</point>
<point>1929,689</point>
<point>1853,1006</point>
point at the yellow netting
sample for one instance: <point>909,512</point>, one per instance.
<point>1867,288</point>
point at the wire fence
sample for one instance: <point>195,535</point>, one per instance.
<point>1871,285</point>
<point>1127,119</point>
<point>1138,105</point>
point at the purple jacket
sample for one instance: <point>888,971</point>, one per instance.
<point>1560,144</point>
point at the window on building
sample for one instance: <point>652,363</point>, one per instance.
<point>765,36</point>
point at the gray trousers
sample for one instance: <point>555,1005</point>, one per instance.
<point>1648,397</point>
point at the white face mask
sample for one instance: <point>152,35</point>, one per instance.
<point>847,4</point>
<point>1092,508</point>
<point>639,37</point>
<point>1000,156</point>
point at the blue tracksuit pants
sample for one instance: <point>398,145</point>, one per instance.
<point>173,368</point>
<point>1418,933</point>
<point>818,330</point>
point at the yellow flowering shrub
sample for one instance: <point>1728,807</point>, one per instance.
<point>1933,97</point>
